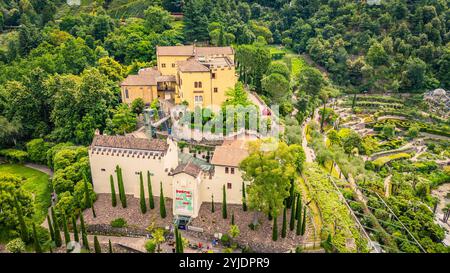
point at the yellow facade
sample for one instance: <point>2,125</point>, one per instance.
<point>130,93</point>
<point>167,65</point>
<point>201,76</point>
<point>212,92</point>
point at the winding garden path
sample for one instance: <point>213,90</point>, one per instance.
<point>41,168</point>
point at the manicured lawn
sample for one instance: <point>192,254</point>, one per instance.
<point>36,183</point>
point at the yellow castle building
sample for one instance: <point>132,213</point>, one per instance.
<point>199,76</point>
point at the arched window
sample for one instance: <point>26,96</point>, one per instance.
<point>126,93</point>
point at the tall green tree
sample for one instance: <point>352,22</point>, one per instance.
<point>244,198</point>
<point>150,191</point>
<point>275,229</point>
<point>84,233</point>
<point>113,192</point>
<point>162,202</point>
<point>284,226</point>
<point>304,221</point>
<point>110,248</point>
<point>97,247</point>
<point>195,21</point>
<point>66,230</point>
<point>58,239</point>
<point>292,219</point>
<point>142,194</point>
<point>87,196</point>
<point>23,227</point>
<point>37,244</point>
<point>224,203</point>
<point>270,167</point>
<point>50,228</point>
<point>311,81</point>
<point>75,229</point>
<point>122,196</point>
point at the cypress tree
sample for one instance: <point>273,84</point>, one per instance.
<point>83,227</point>
<point>97,247</point>
<point>119,188</point>
<point>162,205</point>
<point>304,221</point>
<point>66,230</point>
<point>50,228</point>
<point>244,198</point>
<point>275,229</point>
<point>37,244</point>
<point>291,198</point>
<point>212,204</point>
<point>284,227</point>
<point>83,233</point>
<point>150,191</point>
<point>58,239</point>
<point>298,213</point>
<point>177,241</point>
<point>224,203</point>
<point>299,226</point>
<point>85,241</point>
<point>110,246</point>
<point>75,229</point>
<point>87,196</point>
<point>180,243</point>
<point>113,191</point>
<point>122,196</point>
<point>292,220</point>
<point>22,224</point>
<point>142,194</point>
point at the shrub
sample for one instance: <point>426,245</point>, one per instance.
<point>37,150</point>
<point>14,156</point>
<point>150,246</point>
<point>225,239</point>
<point>15,246</point>
<point>381,161</point>
<point>119,223</point>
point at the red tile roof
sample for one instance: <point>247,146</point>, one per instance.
<point>190,50</point>
<point>191,65</point>
<point>231,153</point>
<point>145,77</point>
<point>190,168</point>
<point>125,142</point>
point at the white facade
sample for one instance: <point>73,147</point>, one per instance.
<point>188,191</point>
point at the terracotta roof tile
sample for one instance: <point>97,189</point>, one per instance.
<point>208,51</point>
<point>231,153</point>
<point>190,168</point>
<point>125,142</point>
<point>191,65</point>
<point>175,50</point>
<point>145,77</point>
<point>166,78</point>
<point>190,50</point>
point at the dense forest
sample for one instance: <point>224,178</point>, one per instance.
<point>52,54</point>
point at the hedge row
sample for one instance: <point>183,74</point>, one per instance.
<point>381,161</point>
<point>14,156</point>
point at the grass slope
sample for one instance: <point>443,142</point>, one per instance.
<point>37,183</point>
